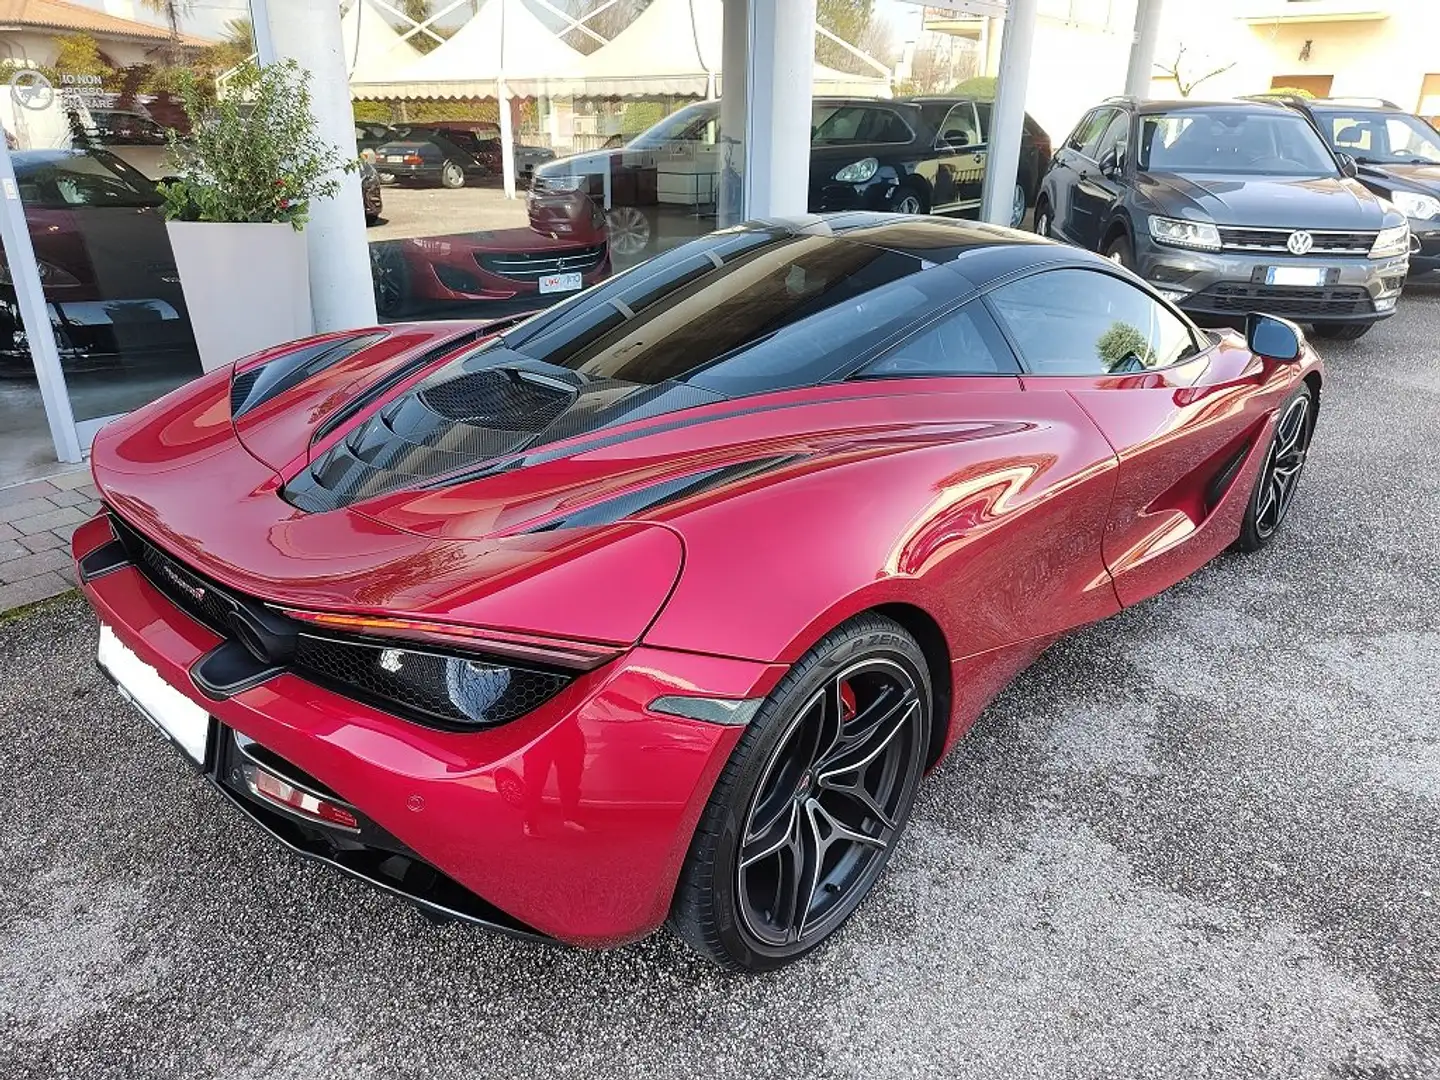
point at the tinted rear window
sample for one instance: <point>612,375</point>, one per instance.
<point>777,311</point>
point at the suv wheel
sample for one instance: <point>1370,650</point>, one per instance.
<point>1120,251</point>
<point>1342,331</point>
<point>1042,218</point>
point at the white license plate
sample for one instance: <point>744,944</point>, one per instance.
<point>1295,275</point>
<point>179,719</point>
<point>560,283</point>
<point>395,159</point>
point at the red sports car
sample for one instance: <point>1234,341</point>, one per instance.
<point>657,605</point>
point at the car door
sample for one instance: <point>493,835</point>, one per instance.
<point>1097,187</point>
<point>1072,165</point>
<point>1182,409</point>
<point>959,165</point>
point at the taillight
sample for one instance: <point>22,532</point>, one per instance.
<point>414,159</point>
<point>271,788</point>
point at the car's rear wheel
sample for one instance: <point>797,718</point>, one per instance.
<point>1342,331</point>
<point>452,175</point>
<point>390,277</point>
<point>1280,472</point>
<point>629,229</point>
<point>803,819</point>
<point>1017,206</point>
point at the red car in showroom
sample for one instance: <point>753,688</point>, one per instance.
<point>658,604</point>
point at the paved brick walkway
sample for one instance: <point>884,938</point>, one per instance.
<point>36,520</point>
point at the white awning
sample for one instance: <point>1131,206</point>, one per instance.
<point>374,51</point>
<point>503,41</point>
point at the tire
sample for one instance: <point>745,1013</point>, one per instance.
<point>390,277</point>
<point>1121,251</point>
<point>1044,223</point>
<point>909,200</point>
<point>1289,445</point>
<point>629,230</point>
<point>768,800</point>
<point>1342,331</point>
<point>452,176</point>
<point>1018,202</point>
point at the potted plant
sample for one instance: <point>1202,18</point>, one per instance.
<point>236,208</point>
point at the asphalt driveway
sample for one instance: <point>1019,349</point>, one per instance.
<point>1202,838</point>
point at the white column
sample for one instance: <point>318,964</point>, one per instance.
<point>734,59</point>
<point>507,138</point>
<point>1007,119</point>
<point>1142,48</point>
<point>779,79</point>
<point>308,31</point>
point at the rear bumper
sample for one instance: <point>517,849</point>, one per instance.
<point>1224,287</point>
<point>571,822</point>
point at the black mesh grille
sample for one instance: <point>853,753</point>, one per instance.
<point>1273,300</point>
<point>497,399</point>
<point>431,687</point>
<point>240,387</point>
<point>1244,238</point>
<point>192,593</point>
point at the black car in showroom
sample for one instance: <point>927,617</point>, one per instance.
<point>925,155</point>
<point>1226,208</point>
<point>1397,156</point>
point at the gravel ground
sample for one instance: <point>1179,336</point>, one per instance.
<point>1198,839</point>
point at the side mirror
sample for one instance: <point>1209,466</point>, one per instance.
<point>1109,162</point>
<point>1347,164</point>
<point>1272,337</point>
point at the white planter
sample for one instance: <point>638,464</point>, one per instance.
<point>247,287</point>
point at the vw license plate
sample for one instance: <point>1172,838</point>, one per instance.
<point>179,719</point>
<point>1295,275</point>
<point>560,282</point>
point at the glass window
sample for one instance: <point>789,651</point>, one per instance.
<point>1382,137</point>
<point>1086,135</point>
<point>861,124</point>
<point>1247,142</point>
<point>1116,137</point>
<point>963,343</point>
<point>1084,322</point>
<point>960,127</point>
<point>59,179</point>
<point>694,123</point>
<point>788,311</point>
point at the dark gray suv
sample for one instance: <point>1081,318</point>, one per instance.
<point>1228,208</point>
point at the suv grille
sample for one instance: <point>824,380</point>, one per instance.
<point>1326,241</point>
<point>1334,302</point>
<point>524,266</point>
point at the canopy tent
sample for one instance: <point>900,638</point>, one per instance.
<point>373,49</point>
<point>503,41</point>
<point>673,48</point>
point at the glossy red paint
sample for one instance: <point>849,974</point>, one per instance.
<point>1001,510</point>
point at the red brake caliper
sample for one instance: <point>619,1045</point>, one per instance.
<point>848,707</point>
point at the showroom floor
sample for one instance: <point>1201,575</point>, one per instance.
<point>1202,838</point>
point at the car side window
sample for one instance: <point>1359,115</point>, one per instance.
<point>1086,322</point>
<point>1087,133</point>
<point>959,127</point>
<point>862,124</point>
<point>1117,138</point>
<point>965,342</point>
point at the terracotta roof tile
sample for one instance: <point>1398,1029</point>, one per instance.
<point>67,17</point>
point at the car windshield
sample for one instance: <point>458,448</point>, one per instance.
<point>694,123</point>
<point>1381,138</point>
<point>52,182</point>
<point>1229,140</point>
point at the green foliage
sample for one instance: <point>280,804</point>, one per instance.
<point>1292,91</point>
<point>80,55</point>
<point>1119,343</point>
<point>979,87</point>
<point>374,112</point>
<point>639,115</point>
<point>846,19</point>
<point>254,156</point>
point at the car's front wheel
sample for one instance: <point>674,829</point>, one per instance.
<point>1120,250</point>
<point>803,819</point>
<point>1043,221</point>
<point>629,230</point>
<point>1342,331</point>
<point>1280,472</point>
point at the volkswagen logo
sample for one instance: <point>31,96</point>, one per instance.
<point>1300,243</point>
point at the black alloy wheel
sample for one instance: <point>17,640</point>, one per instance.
<point>1280,473</point>
<point>811,803</point>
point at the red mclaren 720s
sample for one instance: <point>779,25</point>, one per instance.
<point>658,605</point>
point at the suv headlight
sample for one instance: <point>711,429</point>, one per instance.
<point>1414,205</point>
<point>1392,241</point>
<point>1191,234</point>
<point>857,172</point>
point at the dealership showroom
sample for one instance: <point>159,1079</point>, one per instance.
<point>517,560</point>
